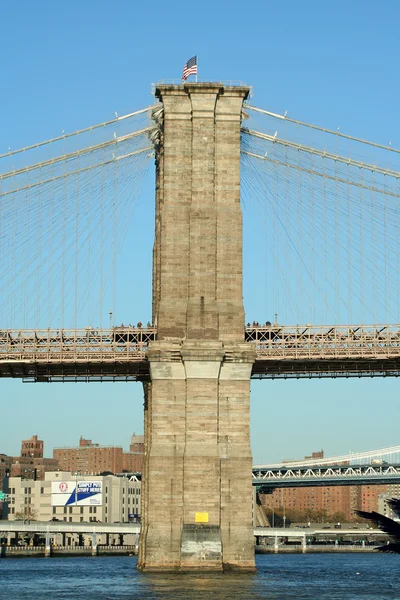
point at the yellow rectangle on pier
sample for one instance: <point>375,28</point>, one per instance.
<point>201,517</point>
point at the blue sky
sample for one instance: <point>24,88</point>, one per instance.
<point>68,65</point>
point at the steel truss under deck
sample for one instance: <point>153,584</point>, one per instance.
<point>271,478</point>
<point>325,351</point>
<point>120,353</point>
<point>117,354</point>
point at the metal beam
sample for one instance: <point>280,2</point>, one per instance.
<point>120,353</point>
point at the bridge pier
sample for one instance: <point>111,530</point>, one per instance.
<point>198,459</point>
<point>196,493</point>
<point>48,550</point>
<point>94,545</point>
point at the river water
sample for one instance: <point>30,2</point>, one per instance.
<point>279,577</point>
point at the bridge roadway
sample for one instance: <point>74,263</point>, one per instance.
<point>269,478</point>
<point>120,353</point>
<point>52,527</point>
<point>62,527</point>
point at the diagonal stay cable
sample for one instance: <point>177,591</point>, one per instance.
<point>322,129</point>
<point>64,175</point>
<point>78,153</point>
<point>78,132</point>
<point>323,154</point>
<point>324,175</point>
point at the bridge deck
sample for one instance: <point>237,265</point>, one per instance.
<point>327,475</point>
<point>132,528</point>
<point>120,353</point>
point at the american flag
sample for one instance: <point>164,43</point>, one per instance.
<point>190,68</point>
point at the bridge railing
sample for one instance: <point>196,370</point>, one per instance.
<point>328,475</point>
<point>130,343</point>
<point>349,341</point>
<point>74,345</point>
<point>225,82</point>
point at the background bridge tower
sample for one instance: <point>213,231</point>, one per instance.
<point>197,497</point>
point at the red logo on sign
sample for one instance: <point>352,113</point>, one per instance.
<point>63,487</point>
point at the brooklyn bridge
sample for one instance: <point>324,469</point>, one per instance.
<point>328,208</point>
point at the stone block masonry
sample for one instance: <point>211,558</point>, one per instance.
<point>197,496</point>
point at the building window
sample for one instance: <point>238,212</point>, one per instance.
<point>54,510</point>
<point>42,490</point>
<point>81,509</point>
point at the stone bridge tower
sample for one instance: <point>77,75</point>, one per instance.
<point>197,495</point>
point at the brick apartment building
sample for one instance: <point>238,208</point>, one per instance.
<point>30,464</point>
<point>328,500</point>
<point>331,500</point>
<point>91,459</point>
<point>133,460</point>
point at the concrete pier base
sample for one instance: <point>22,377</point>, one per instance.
<point>198,460</point>
<point>94,545</point>
<point>48,547</point>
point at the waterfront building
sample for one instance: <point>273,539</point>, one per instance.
<point>32,448</point>
<point>90,458</point>
<point>367,496</point>
<point>65,496</point>
<point>5,465</point>
<point>30,464</point>
<point>132,461</point>
<point>327,502</point>
<point>393,491</point>
<point>313,456</point>
<point>303,502</point>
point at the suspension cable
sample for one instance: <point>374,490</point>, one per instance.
<point>323,129</point>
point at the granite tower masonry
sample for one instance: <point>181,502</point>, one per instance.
<point>197,496</point>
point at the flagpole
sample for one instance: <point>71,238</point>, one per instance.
<point>197,63</point>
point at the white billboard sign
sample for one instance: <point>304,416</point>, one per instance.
<point>76,493</point>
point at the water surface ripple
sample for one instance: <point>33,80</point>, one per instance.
<point>279,577</point>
